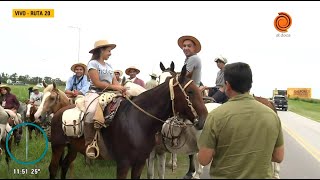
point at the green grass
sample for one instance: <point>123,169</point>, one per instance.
<point>101,169</point>
<point>306,109</point>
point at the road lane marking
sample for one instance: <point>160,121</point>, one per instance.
<point>312,150</point>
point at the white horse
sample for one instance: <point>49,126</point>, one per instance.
<point>188,138</point>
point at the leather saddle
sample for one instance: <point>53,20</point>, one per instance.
<point>111,109</point>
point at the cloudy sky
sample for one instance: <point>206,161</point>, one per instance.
<point>147,33</point>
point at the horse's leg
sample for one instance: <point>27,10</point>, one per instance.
<point>198,167</point>
<point>161,164</point>
<point>122,170</point>
<point>191,168</point>
<point>150,164</point>
<point>136,169</point>
<point>173,161</point>
<point>70,157</point>
<point>57,152</point>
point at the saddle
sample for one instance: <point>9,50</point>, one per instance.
<point>111,109</point>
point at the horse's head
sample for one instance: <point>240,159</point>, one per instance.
<point>53,99</point>
<point>166,72</point>
<point>183,89</point>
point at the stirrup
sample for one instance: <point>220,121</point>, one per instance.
<point>93,147</point>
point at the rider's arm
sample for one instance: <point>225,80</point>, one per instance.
<point>69,84</point>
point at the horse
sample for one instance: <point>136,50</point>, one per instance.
<point>12,121</point>
<point>32,109</point>
<point>159,151</point>
<point>134,125</point>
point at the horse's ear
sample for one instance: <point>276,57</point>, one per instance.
<point>183,72</point>
<point>54,85</point>
<point>44,84</point>
<point>162,67</point>
<point>172,66</point>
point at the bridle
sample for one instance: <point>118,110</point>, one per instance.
<point>172,96</point>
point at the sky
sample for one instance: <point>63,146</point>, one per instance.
<point>146,34</point>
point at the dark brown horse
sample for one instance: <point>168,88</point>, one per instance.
<point>171,72</point>
<point>130,136</point>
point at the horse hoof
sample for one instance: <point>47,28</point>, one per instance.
<point>188,176</point>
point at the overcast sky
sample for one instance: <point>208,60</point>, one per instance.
<point>147,33</point>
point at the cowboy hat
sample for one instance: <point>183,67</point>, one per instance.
<point>35,88</point>
<point>5,87</point>
<point>134,68</point>
<point>193,39</point>
<point>118,71</point>
<point>222,59</point>
<point>153,75</point>
<point>102,43</point>
<point>73,67</point>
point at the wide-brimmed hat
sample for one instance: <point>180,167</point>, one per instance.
<point>153,75</point>
<point>6,87</point>
<point>222,59</point>
<point>118,71</point>
<point>132,67</point>
<point>193,39</point>
<point>102,43</point>
<point>35,88</point>
<point>73,67</point>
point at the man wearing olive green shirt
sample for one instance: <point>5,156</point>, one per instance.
<point>242,136</point>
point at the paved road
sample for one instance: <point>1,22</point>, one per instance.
<point>302,148</point>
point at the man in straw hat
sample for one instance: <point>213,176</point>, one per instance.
<point>152,82</point>
<point>191,46</point>
<point>132,71</point>
<point>118,74</point>
<point>102,79</point>
<point>77,84</point>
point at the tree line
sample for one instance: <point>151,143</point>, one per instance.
<point>26,79</point>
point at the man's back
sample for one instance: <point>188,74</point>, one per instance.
<point>246,133</point>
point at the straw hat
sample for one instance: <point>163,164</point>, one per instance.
<point>119,71</point>
<point>153,75</point>
<point>134,68</point>
<point>35,88</point>
<point>73,67</point>
<point>193,39</point>
<point>6,87</point>
<point>101,43</point>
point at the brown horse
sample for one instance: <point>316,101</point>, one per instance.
<point>134,127</point>
<point>166,72</point>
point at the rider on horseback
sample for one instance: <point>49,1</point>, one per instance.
<point>102,78</point>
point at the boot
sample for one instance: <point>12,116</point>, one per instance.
<point>89,133</point>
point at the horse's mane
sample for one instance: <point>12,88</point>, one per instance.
<point>50,87</point>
